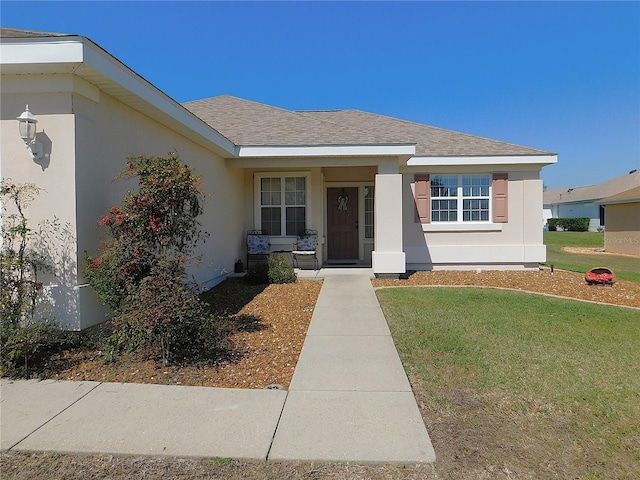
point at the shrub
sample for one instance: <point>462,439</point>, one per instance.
<point>23,340</point>
<point>25,346</point>
<point>140,272</point>
<point>280,270</point>
<point>579,224</point>
<point>156,222</point>
<point>19,285</point>
<point>167,314</point>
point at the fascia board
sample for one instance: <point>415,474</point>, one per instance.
<point>309,162</point>
<point>88,61</point>
<point>484,160</point>
<point>402,150</point>
<point>604,201</point>
<point>585,201</point>
<point>102,62</point>
<point>38,52</point>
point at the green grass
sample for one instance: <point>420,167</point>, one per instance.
<point>625,268</point>
<point>571,360</point>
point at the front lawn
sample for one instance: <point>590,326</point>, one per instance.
<point>539,386</point>
<point>625,268</point>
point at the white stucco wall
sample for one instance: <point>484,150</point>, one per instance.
<point>55,175</point>
<point>516,244</point>
<point>88,135</point>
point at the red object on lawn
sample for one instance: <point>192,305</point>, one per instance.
<point>600,276</point>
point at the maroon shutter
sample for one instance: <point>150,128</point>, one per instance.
<point>422,197</point>
<point>500,199</point>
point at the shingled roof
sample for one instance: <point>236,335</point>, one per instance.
<point>8,32</point>
<point>248,123</point>
<point>251,123</point>
<point>628,196</point>
<point>592,193</point>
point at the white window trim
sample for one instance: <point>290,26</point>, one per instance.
<point>474,225</point>
<point>462,227</point>
<point>257,206</point>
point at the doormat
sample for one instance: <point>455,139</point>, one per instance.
<point>341,263</point>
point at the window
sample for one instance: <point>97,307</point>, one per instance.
<point>283,205</point>
<point>460,198</point>
<point>369,196</point>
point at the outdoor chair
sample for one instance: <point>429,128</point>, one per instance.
<point>306,247</point>
<point>258,247</point>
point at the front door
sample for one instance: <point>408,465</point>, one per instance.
<point>342,223</point>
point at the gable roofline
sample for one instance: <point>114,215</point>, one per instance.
<point>251,124</point>
<point>593,193</point>
<point>39,52</point>
<point>628,196</point>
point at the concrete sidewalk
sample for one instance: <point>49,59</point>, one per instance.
<point>349,400</point>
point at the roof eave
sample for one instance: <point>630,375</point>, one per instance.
<point>81,57</point>
<point>460,160</point>
<point>606,201</point>
<point>401,151</point>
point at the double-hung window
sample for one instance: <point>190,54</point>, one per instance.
<point>283,204</point>
<point>460,198</point>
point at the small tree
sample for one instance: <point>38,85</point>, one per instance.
<point>21,337</point>
<point>152,236</point>
<point>20,264</point>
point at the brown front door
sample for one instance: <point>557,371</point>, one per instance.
<point>342,223</point>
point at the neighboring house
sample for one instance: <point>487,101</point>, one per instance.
<point>622,222</point>
<point>585,201</point>
<point>381,191</point>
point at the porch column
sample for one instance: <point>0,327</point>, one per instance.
<point>388,258</point>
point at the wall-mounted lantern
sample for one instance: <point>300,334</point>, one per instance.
<point>27,124</point>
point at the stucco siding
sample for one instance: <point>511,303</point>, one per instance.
<point>87,136</point>
<point>108,133</point>
<point>353,174</point>
<point>53,210</point>
<point>517,243</point>
<point>622,233</point>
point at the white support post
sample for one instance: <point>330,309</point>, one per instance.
<point>388,258</point>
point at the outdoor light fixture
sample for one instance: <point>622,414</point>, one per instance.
<point>27,124</point>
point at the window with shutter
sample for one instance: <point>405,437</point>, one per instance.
<point>466,198</point>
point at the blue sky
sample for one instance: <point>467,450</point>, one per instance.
<point>563,77</point>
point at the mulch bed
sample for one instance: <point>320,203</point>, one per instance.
<point>560,283</point>
<point>266,328</point>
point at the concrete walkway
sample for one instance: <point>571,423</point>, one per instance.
<point>349,400</point>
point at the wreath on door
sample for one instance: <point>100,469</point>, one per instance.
<point>343,200</point>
